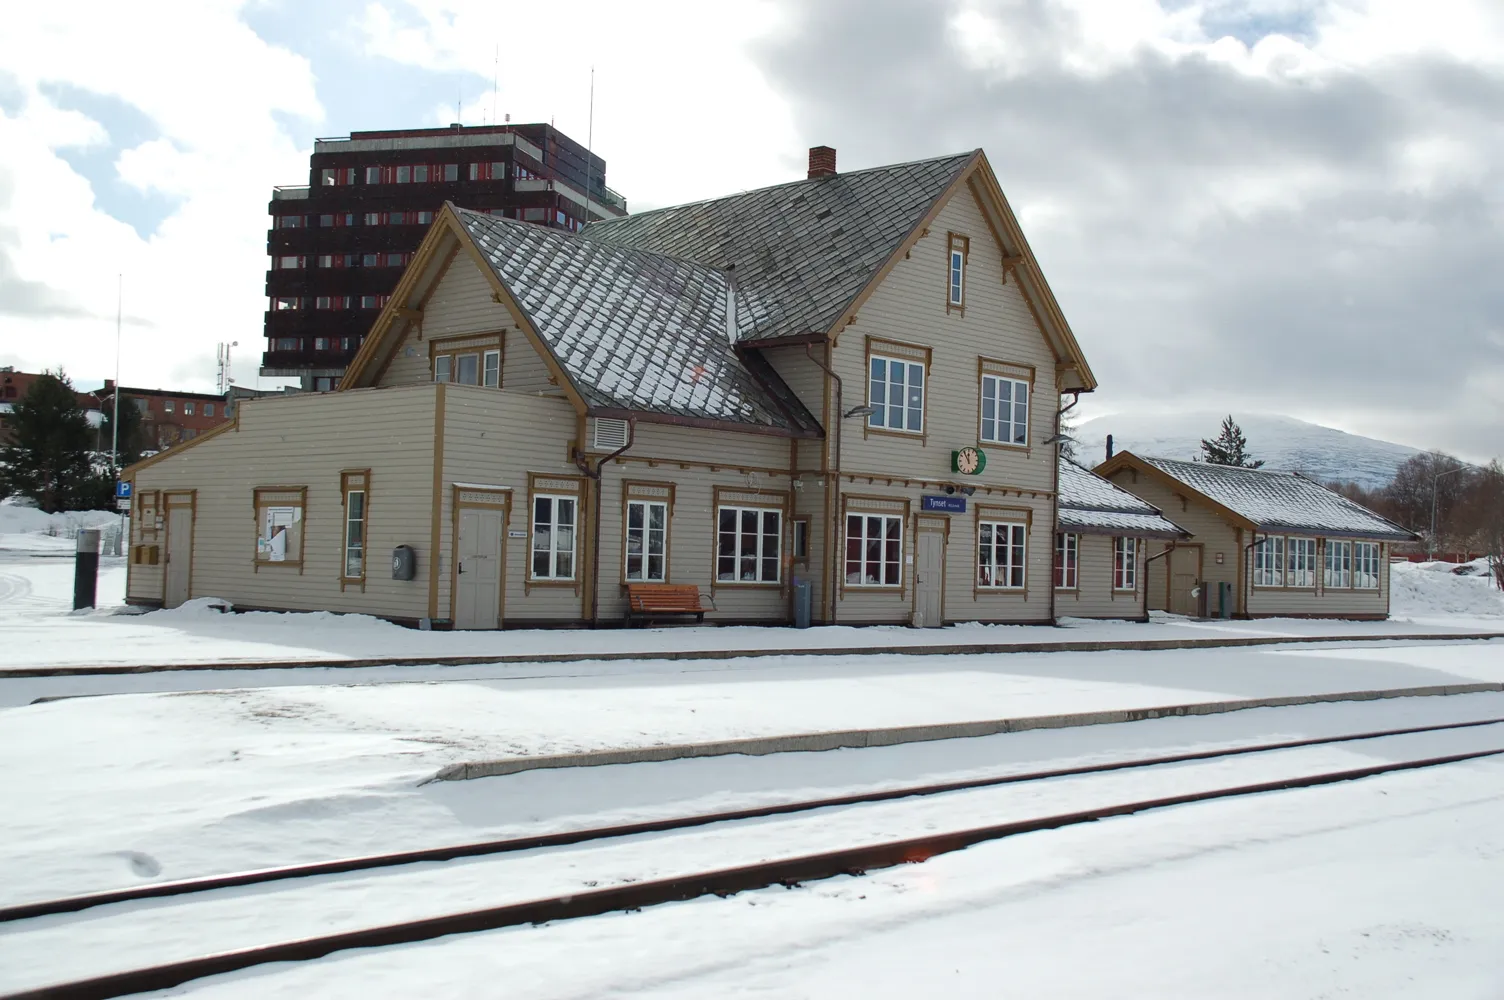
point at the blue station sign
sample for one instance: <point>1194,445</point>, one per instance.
<point>948,505</point>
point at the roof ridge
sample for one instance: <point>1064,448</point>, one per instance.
<point>577,238</point>
<point>606,223</point>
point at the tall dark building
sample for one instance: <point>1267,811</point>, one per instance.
<point>338,244</point>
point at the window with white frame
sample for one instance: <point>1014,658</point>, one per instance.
<point>957,247</point>
<point>896,394</point>
<point>748,544</point>
<point>874,550</point>
<point>1124,563</point>
<point>279,525</point>
<point>1067,560</point>
<point>554,519</point>
<point>483,368</point>
<point>1339,565</point>
<point>1366,565</point>
<point>1300,562</point>
<point>354,488</point>
<point>1005,410</point>
<point>1269,562</point>
<point>1000,555</point>
<point>647,541</point>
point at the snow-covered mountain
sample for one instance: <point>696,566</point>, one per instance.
<point>1284,443</point>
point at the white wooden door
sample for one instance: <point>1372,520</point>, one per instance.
<point>929,580</point>
<point>477,592</point>
<point>179,556</point>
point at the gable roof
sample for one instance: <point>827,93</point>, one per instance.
<point>802,251</point>
<point>1269,501</point>
<point>1092,505</point>
<point>635,331</point>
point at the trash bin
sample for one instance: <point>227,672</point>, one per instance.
<point>802,598</point>
<point>1224,599</point>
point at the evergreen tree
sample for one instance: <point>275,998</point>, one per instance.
<point>49,460</point>
<point>1228,448</point>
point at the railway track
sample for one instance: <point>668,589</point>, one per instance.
<point>632,893</point>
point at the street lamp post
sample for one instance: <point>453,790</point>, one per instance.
<point>1431,539</point>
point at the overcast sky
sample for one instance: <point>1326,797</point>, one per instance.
<point>1289,206</point>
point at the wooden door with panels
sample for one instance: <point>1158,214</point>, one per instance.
<point>479,557</point>
<point>929,574</point>
<point>1185,577</point>
<point>177,575</point>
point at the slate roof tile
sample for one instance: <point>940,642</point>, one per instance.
<point>1092,504</point>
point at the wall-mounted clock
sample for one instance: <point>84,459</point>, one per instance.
<point>968,461</point>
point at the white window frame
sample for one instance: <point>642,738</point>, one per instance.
<point>759,551</point>
<point>1337,573</point>
<point>443,367</point>
<point>1367,565</point>
<point>1300,562</point>
<point>880,418</point>
<point>1124,563</point>
<point>1269,562</point>
<point>993,428</point>
<point>353,546</point>
<point>1015,545</point>
<point>1067,560</point>
<point>644,535</point>
<point>886,560</point>
<point>553,525</point>
<point>956,276</point>
<point>490,369</point>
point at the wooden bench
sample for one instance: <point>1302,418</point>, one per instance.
<point>648,601</point>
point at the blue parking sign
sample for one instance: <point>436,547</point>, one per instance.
<point>123,490</point>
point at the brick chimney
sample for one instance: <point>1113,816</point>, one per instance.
<point>822,162</point>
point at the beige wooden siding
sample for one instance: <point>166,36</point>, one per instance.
<point>305,441</point>
<point>1207,529</point>
<point>1093,596</point>
<point>1323,601</point>
<point>460,304</point>
<point>807,381</point>
<point>909,307</point>
<point>497,439</point>
<point>669,445</point>
<point>964,601</point>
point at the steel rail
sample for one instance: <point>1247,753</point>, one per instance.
<point>789,872</point>
<point>207,883</point>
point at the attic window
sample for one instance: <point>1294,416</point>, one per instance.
<point>610,434</point>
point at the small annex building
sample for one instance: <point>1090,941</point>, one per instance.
<point>850,381</point>
<point>1264,543</point>
<point>1105,537</point>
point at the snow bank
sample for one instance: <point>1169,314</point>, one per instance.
<point>1433,590</point>
<point>27,529</point>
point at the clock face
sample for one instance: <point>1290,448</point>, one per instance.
<point>967,461</point>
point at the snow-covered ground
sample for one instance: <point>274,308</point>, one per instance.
<point>1384,888</point>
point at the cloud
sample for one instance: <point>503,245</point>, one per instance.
<point>1301,226</point>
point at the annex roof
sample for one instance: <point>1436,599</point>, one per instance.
<point>636,331</point>
<point>801,252</point>
<point>1092,505</point>
<point>1278,501</point>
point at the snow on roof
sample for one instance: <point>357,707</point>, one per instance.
<point>635,330</point>
<point>800,251</point>
<point>1090,503</point>
<point>1281,501</point>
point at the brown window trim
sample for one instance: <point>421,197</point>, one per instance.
<point>1138,549</point>
<point>529,582</point>
<point>898,350</point>
<point>900,507</point>
<point>1018,371</point>
<point>794,523</point>
<point>954,241</point>
<point>354,480</point>
<point>256,507</point>
<point>471,343</point>
<point>779,500</point>
<point>994,514</point>
<point>641,486</point>
<point>1059,589</point>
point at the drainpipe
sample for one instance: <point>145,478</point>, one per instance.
<point>1060,412</point>
<point>834,529</point>
<point>1168,549</point>
<point>594,476</point>
<point>1248,567</point>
